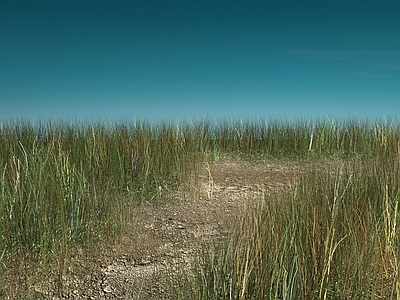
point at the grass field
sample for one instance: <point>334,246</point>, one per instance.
<point>68,189</point>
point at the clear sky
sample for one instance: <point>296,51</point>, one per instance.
<point>186,59</point>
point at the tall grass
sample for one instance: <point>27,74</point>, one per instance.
<point>261,138</point>
<point>334,236</point>
<point>65,187</point>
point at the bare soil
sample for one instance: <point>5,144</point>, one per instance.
<point>163,238</point>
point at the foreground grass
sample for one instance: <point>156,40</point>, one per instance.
<point>335,236</point>
<point>68,188</point>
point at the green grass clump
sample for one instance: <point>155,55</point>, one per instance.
<point>335,236</point>
<point>68,188</point>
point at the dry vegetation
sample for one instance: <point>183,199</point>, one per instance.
<point>233,210</point>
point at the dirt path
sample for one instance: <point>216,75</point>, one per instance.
<point>163,237</point>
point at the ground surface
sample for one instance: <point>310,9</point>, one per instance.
<point>165,237</point>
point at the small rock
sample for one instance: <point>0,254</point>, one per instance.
<point>144,262</point>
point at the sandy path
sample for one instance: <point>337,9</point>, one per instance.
<point>164,237</point>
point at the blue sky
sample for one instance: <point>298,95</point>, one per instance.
<point>194,59</point>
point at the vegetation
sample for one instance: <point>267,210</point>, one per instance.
<point>66,187</point>
<point>335,236</point>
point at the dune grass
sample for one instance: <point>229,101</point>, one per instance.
<point>334,236</point>
<point>68,188</point>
